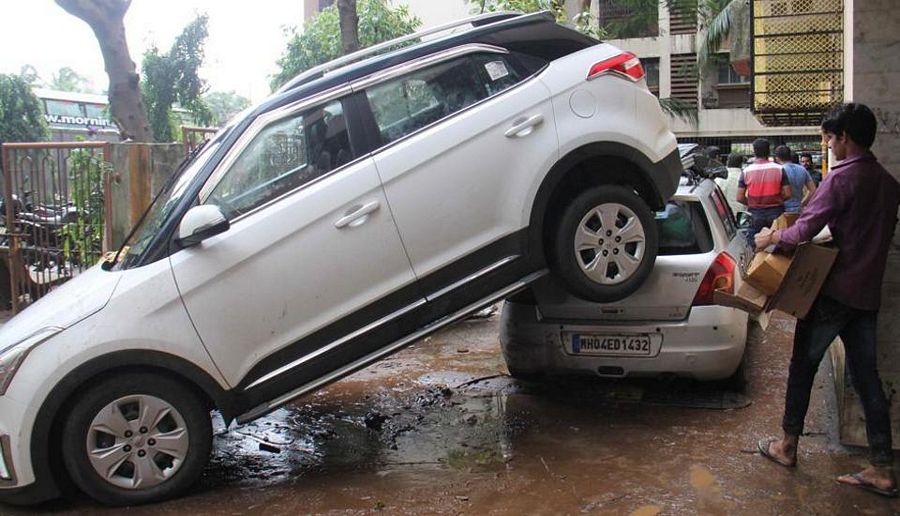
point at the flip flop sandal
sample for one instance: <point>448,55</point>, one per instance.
<point>763,446</point>
<point>865,485</point>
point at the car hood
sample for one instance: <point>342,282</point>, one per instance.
<point>75,300</point>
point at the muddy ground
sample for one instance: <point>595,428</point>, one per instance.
<point>441,429</point>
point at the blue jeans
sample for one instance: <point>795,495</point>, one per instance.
<point>826,320</point>
<point>761,218</point>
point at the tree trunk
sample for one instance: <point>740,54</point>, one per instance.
<point>349,25</point>
<point>106,19</point>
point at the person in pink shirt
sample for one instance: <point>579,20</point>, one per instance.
<point>858,200</point>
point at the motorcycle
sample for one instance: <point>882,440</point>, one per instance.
<point>40,230</point>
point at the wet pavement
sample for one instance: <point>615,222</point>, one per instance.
<point>441,429</point>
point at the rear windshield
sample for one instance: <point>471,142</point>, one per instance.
<point>683,229</point>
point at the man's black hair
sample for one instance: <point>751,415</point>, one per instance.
<point>806,155</point>
<point>783,152</point>
<point>735,160</point>
<point>855,120</point>
<point>712,152</point>
<point>761,148</point>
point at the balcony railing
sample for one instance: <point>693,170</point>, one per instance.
<point>798,50</point>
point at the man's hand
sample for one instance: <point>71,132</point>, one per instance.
<point>765,238</point>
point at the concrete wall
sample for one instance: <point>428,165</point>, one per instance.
<point>724,123</point>
<point>141,170</point>
<point>434,13</point>
<point>872,73</point>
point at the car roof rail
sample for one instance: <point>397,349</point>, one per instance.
<point>320,70</point>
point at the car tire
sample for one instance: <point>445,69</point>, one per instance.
<point>147,430</point>
<point>606,244</point>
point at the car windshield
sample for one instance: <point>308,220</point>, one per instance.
<point>167,200</point>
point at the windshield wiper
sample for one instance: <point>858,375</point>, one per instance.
<point>178,170</point>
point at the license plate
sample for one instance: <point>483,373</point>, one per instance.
<point>594,344</point>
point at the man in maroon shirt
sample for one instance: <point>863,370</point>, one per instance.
<point>858,201</point>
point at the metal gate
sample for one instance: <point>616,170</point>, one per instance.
<point>54,221</point>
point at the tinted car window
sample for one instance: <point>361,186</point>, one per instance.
<point>285,155</point>
<point>404,105</point>
<point>683,229</point>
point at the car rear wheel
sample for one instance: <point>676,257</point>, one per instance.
<point>136,438</point>
<point>606,244</point>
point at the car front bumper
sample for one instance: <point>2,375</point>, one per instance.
<point>708,345</point>
<point>666,174</point>
<point>7,471</point>
<point>18,484</point>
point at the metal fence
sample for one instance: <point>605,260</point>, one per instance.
<point>54,221</point>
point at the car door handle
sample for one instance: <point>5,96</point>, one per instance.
<point>357,215</point>
<point>524,127</point>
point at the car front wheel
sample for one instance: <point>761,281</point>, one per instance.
<point>606,243</point>
<point>136,438</point>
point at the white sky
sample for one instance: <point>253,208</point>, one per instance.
<point>245,39</point>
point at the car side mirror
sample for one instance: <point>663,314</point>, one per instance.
<point>744,220</point>
<point>200,223</point>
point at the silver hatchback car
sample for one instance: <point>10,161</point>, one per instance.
<point>670,326</point>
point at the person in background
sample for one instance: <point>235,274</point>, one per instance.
<point>729,185</point>
<point>763,187</point>
<point>714,155</point>
<point>798,177</point>
<point>858,200</point>
<point>807,163</point>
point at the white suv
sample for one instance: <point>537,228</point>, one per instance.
<point>366,204</point>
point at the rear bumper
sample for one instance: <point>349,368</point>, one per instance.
<point>666,175</point>
<point>708,345</point>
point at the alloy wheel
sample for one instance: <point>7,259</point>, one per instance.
<point>610,243</point>
<point>137,442</point>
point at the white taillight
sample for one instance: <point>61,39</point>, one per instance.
<point>625,64</point>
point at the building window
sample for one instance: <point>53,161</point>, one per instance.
<point>629,18</point>
<point>651,73</point>
<point>684,78</point>
<point>727,75</point>
<point>683,17</point>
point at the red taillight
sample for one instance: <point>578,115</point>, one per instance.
<point>624,64</point>
<point>720,276</point>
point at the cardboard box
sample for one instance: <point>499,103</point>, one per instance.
<point>785,221</point>
<point>801,284</point>
<point>766,271</point>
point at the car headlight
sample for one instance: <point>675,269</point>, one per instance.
<point>11,357</point>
